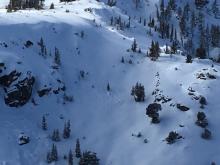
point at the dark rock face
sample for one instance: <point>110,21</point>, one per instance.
<point>182,107</point>
<point>7,80</point>
<point>28,44</point>
<point>20,93</point>
<point>43,92</point>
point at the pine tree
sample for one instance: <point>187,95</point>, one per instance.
<point>77,149</point>
<point>108,87</point>
<point>122,60</point>
<point>54,153</point>
<point>57,57</point>
<point>215,35</point>
<point>167,51</point>
<point>134,46</point>
<point>171,33</point>
<point>52,6</point>
<point>56,135</point>
<point>201,3</point>
<point>70,158</point>
<point>215,9</point>
<point>207,39</point>
<point>44,123</point>
<point>172,4</point>
<point>182,25</point>
<point>15,5</point>
<point>174,47</point>
<point>138,92</point>
<point>154,51</point>
<point>43,49</point>
<point>49,158</point>
<point>201,52</point>
<point>89,158</point>
<point>189,59</point>
<point>66,130</point>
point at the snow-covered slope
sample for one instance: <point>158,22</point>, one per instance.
<point>104,121</point>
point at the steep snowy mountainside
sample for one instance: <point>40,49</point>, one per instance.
<point>106,122</point>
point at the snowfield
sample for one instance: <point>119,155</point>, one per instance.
<point>104,121</point>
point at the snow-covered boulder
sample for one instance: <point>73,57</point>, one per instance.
<point>23,139</point>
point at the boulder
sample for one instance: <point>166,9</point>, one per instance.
<point>44,92</point>
<point>20,93</point>
<point>28,44</point>
<point>206,134</point>
<point>182,107</point>
<point>23,139</point>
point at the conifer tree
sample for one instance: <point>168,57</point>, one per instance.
<point>70,158</point>
<point>56,135</point>
<point>43,49</point>
<point>57,57</point>
<point>66,130</point>
<point>122,60</point>
<point>89,158</point>
<point>154,51</point>
<point>108,87</point>
<point>54,153</point>
<point>49,158</point>
<point>134,46</point>
<point>138,92</point>
<point>77,149</point>
<point>44,123</point>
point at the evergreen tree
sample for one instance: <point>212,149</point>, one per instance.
<point>52,6</point>
<point>188,59</point>
<point>201,3</point>
<point>43,49</point>
<point>201,52</point>
<point>77,149</point>
<point>171,33</point>
<point>67,0</point>
<point>167,51</point>
<point>122,60</point>
<point>174,47</point>
<point>70,158</point>
<point>138,92</point>
<point>49,157</point>
<point>66,130</point>
<point>89,158</point>
<point>154,51</point>
<point>207,39</point>
<point>44,123</point>
<point>57,57</point>
<point>108,87</point>
<point>215,35</point>
<point>134,46</point>
<point>56,135</point>
<point>172,4</point>
<point>182,25</point>
<point>54,153</point>
<point>215,9</point>
<point>15,5</point>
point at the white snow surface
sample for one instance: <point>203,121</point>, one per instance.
<point>103,121</point>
